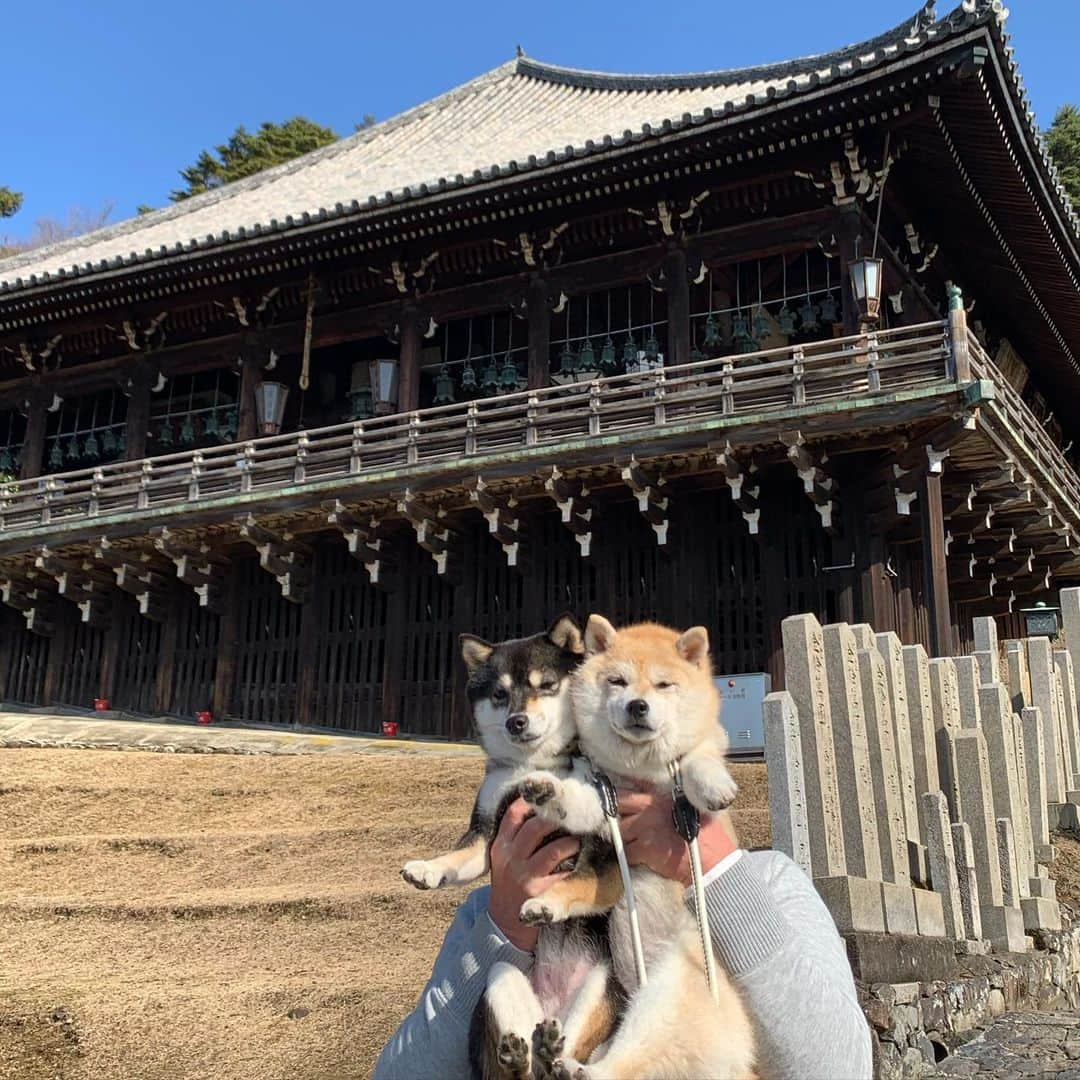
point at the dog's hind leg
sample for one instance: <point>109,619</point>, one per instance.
<point>589,1020</point>
<point>467,862</point>
<point>513,1015</point>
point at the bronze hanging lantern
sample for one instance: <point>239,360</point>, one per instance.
<point>444,387</point>
<point>270,399</point>
<point>866,275</point>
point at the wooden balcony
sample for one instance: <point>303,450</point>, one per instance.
<point>885,378</point>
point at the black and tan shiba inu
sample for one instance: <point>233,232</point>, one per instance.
<point>644,697</point>
<point>519,691</point>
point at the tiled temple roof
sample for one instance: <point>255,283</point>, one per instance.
<point>521,116</point>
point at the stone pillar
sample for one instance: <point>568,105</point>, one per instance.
<point>921,714</point>
<point>852,753</point>
<point>1019,682</point>
<point>889,647</point>
<point>945,700</point>
<point>968,881</point>
<point>1022,829</point>
<point>968,680</point>
<point>987,651</point>
<point>804,665</point>
<point>942,857</point>
<point>1003,925</point>
<point>1010,874</point>
<point>1036,778</point>
<point>1070,716</point>
<point>1041,670</point>
<point>787,785</point>
<point>1008,796</point>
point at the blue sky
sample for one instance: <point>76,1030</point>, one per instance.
<point>107,100</point>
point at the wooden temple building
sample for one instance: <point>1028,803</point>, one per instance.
<point>554,340</point>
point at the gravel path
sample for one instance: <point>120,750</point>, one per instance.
<point>1019,1045</point>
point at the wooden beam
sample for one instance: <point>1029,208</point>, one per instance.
<point>935,569</point>
<point>744,488</point>
<point>571,497</point>
<point>503,519</point>
<point>648,486</point>
<point>818,485</point>
<point>366,541</point>
<point>285,560</point>
<point>433,533</point>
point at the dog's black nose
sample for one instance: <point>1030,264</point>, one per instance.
<point>517,722</point>
<point>638,708</point>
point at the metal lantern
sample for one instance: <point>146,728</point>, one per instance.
<point>786,320</point>
<point>713,338</point>
<point>213,425</point>
<point>866,275</point>
<point>91,449</point>
<point>808,316</point>
<point>509,379</point>
<point>270,399</point>
<point>568,363</point>
<point>165,435</point>
<point>629,353</point>
<point>586,364</point>
<point>468,377</point>
<point>383,379</point>
<point>762,323</point>
<point>652,351</point>
<point>489,381</point>
<point>1041,620</point>
<point>444,387</point>
<point>187,430</point>
<point>228,429</point>
<point>740,330</point>
<point>108,442</point>
<point>6,463</point>
<point>609,361</point>
<point>56,455</point>
<point>73,450</point>
<point>829,308</point>
<point>363,408</point>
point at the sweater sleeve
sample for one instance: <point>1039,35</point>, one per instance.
<point>777,940</point>
<point>433,1039</point>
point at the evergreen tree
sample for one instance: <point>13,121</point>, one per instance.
<point>247,153</point>
<point>10,201</point>
<point>1063,142</point>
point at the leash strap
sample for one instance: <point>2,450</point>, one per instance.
<point>609,800</point>
<point>688,825</point>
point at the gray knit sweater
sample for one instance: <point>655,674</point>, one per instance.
<point>772,934</point>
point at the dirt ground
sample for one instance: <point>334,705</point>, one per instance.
<point>216,916</point>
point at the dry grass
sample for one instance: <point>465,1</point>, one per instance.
<point>223,916</point>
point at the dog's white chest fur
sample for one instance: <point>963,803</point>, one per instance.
<point>662,915</point>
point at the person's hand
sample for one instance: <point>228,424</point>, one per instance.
<point>648,830</point>
<point>523,863</point>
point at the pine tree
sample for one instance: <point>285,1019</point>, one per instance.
<point>247,153</point>
<point>1063,142</point>
<point>10,201</point>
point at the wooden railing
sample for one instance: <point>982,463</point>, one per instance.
<point>1044,456</point>
<point>773,380</point>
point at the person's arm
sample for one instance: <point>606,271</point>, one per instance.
<point>433,1040</point>
<point>776,939</point>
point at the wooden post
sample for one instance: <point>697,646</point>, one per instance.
<point>59,652</point>
<point>166,672</point>
<point>773,576</point>
<point>935,568</point>
<point>33,451</point>
<point>251,368</point>
<point>958,336</point>
<point>138,416</point>
<point>397,619</point>
<point>8,631</point>
<point>310,619</point>
<point>110,652</point>
<point>538,306</point>
<point>408,399</point>
<point>225,669</point>
<point>849,228</point>
<point>678,307</point>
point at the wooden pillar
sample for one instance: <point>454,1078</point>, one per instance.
<point>958,336</point>
<point>397,629</point>
<point>678,307</point>
<point>137,427</point>
<point>773,575</point>
<point>110,655</point>
<point>935,568</point>
<point>8,634</point>
<point>310,622</point>
<point>465,623</point>
<point>166,672</point>
<point>225,668</point>
<point>59,653</point>
<point>876,604</point>
<point>251,368</point>
<point>538,305</point>
<point>849,228</point>
<point>408,399</point>
<point>33,451</point>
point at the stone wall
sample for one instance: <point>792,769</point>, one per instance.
<point>919,795</point>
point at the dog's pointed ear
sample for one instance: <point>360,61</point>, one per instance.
<point>599,635</point>
<point>693,646</point>
<point>566,633</point>
<point>474,651</point>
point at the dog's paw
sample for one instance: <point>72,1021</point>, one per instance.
<point>548,1041</point>
<point>713,792</point>
<point>540,789</point>
<point>513,1055</point>
<point>538,911</point>
<point>423,874</point>
<point>568,1069</point>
